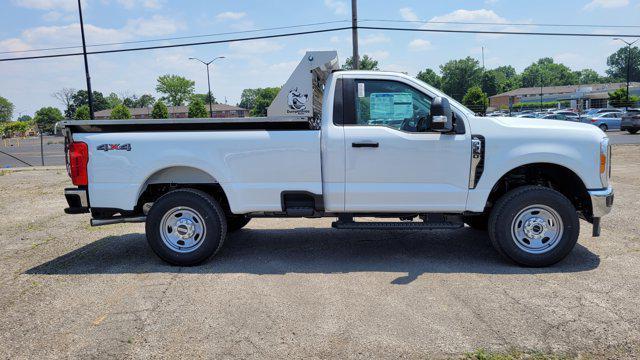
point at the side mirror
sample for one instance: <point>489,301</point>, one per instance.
<point>441,115</point>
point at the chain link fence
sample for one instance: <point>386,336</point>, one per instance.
<point>30,151</point>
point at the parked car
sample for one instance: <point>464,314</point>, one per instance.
<point>595,111</point>
<point>630,121</point>
<point>528,116</point>
<point>346,145</point>
<point>606,121</point>
<point>557,116</point>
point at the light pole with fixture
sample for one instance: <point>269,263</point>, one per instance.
<point>628,65</point>
<point>209,95</point>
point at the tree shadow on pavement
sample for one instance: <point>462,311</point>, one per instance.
<point>316,250</point>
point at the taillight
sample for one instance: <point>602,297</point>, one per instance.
<point>78,159</point>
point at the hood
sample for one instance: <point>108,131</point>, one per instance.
<point>524,128</point>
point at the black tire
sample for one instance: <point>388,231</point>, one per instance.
<point>206,207</point>
<point>478,222</point>
<point>632,131</point>
<point>603,127</point>
<point>513,203</point>
<point>237,222</point>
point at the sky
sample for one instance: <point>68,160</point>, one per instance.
<point>36,24</point>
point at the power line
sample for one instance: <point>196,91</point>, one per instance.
<point>178,45</point>
<point>499,32</point>
<point>176,38</point>
<point>499,24</point>
<point>322,31</point>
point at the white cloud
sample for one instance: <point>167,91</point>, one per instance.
<point>157,25</point>
<point>462,15</point>
<point>374,39</point>
<point>606,4</point>
<point>230,15</point>
<point>407,14</point>
<point>378,55</point>
<point>13,44</point>
<point>149,4</point>
<point>338,7</point>
<point>66,5</point>
<point>255,47</point>
<point>419,45</point>
<point>474,16</point>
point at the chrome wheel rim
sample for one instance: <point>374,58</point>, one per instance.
<point>537,229</point>
<point>182,229</point>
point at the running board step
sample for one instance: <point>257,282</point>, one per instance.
<point>396,225</point>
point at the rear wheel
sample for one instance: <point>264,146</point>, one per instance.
<point>185,227</point>
<point>632,131</point>
<point>603,127</point>
<point>534,226</point>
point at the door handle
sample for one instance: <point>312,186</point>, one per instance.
<point>365,144</point>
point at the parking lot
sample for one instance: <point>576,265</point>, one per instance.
<point>297,288</point>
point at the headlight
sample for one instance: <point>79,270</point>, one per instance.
<point>605,162</point>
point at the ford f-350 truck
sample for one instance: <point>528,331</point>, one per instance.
<point>348,145</point>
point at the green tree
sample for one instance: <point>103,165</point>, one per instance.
<point>82,113</point>
<point>120,112</point>
<point>476,100</point>
<point>205,98</point>
<point>160,110</point>
<point>430,77</point>
<point>508,79</point>
<point>13,128</point>
<point>617,63</point>
<point>248,98</point>
<point>366,63</point>
<point>47,117</point>
<point>588,76</point>
<point>545,72</point>
<point>130,101</point>
<point>490,82</point>
<point>263,100</point>
<point>81,98</point>
<point>6,109</point>
<point>460,75</point>
<point>24,118</point>
<point>197,109</point>
<point>177,89</point>
<point>145,100</point>
<point>618,98</point>
<point>113,100</point>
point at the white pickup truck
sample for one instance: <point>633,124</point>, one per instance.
<point>344,144</point>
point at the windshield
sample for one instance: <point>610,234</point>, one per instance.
<point>452,101</point>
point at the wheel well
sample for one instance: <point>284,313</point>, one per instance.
<point>180,177</point>
<point>552,176</point>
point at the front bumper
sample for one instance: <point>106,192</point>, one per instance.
<point>77,199</point>
<point>601,204</point>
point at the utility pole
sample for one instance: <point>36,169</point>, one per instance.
<point>482,57</point>
<point>354,34</point>
<point>86,63</point>
<point>210,94</point>
<point>628,65</point>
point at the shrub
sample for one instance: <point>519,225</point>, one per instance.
<point>197,109</point>
<point>160,110</point>
<point>120,112</point>
<point>82,113</point>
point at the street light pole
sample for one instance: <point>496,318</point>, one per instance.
<point>209,94</point>
<point>86,63</point>
<point>628,66</point>
<point>354,34</point>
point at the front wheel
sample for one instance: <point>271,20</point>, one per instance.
<point>534,226</point>
<point>632,131</point>
<point>603,127</point>
<point>185,227</point>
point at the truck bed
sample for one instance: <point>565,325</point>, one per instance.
<point>188,124</point>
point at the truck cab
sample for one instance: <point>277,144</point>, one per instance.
<point>348,145</point>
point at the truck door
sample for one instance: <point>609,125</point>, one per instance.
<point>390,164</point>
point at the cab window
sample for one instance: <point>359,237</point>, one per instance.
<point>389,103</point>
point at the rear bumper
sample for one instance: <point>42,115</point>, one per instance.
<point>77,200</point>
